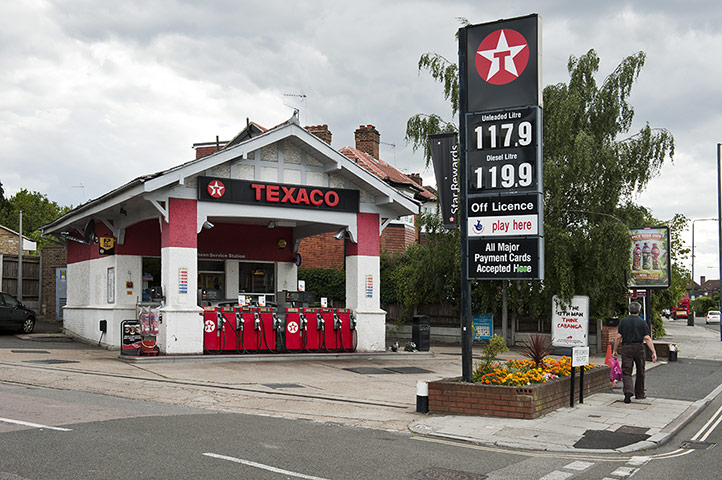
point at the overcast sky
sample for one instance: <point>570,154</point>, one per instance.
<point>94,93</point>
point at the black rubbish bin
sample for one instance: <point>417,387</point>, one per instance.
<point>421,332</point>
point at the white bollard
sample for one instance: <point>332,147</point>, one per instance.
<point>422,397</point>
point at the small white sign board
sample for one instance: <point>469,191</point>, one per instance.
<point>570,322</point>
<point>580,356</point>
<point>261,300</point>
<point>324,302</point>
<point>302,285</point>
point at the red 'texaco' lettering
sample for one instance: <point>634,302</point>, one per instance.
<point>259,189</point>
<point>314,197</point>
<point>331,198</point>
<point>272,193</point>
<point>288,194</point>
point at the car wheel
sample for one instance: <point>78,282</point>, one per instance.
<point>28,325</point>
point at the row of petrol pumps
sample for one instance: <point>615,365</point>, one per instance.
<point>246,329</point>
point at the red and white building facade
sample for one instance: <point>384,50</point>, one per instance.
<point>176,228</point>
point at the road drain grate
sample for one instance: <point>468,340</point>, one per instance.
<point>446,474</point>
<point>50,361</point>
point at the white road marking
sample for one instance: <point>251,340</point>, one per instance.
<point>624,472</point>
<point>34,425</point>
<point>263,467</point>
<point>638,461</point>
<point>578,466</point>
<point>557,475</point>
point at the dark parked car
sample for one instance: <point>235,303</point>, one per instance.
<point>14,315</point>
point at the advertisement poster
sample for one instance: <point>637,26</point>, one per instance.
<point>649,257</point>
<point>570,322</point>
<point>445,158</point>
<point>483,326</point>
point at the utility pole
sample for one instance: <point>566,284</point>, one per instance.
<point>19,290</point>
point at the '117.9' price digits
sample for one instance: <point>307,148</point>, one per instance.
<point>504,135</point>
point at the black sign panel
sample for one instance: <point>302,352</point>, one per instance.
<point>506,258</point>
<point>445,157</point>
<point>506,205</point>
<point>503,64</point>
<point>227,190</point>
<point>503,150</point>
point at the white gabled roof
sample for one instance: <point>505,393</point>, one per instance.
<point>384,195</point>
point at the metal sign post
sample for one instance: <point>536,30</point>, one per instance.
<point>500,161</point>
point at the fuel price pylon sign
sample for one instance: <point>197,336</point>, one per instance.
<point>502,131</point>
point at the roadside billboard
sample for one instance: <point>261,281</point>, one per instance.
<point>570,322</point>
<point>649,258</point>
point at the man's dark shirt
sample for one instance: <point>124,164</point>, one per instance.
<point>633,329</point>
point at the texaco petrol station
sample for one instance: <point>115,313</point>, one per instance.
<point>229,224</point>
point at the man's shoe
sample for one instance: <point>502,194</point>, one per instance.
<point>640,397</point>
<point>627,398</point>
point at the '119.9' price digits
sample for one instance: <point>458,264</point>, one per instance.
<point>504,176</point>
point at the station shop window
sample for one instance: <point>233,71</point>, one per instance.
<point>151,279</point>
<point>211,280</point>
<point>257,278</point>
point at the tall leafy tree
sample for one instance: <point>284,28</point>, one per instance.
<point>593,167</point>
<point>37,210</point>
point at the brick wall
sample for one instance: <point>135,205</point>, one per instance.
<point>9,243</point>
<point>52,257</point>
<point>532,401</point>
<point>322,251</point>
<point>396,238</point>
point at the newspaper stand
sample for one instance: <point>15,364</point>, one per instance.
<point>130,337</point>
<point>149,328</point>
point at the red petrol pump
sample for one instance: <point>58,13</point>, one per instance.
<point>294,330</point>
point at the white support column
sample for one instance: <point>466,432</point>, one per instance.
<point>181,329</point>
<point>363,272</point>
<point>363,297</point>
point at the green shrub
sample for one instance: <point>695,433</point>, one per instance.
<point>324,282</point>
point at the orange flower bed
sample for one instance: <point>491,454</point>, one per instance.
<point>524,372</point>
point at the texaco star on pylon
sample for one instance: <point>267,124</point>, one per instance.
<point>497,61</point>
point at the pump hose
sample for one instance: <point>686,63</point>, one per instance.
<point>236,333</point>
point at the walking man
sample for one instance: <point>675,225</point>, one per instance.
<point>633,334</point>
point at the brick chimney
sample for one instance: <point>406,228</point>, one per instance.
<point>321,131</point>
<point>416,177</point>
<point>367,140</point>
<point>701,280</point>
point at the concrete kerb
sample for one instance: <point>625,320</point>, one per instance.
<point>276,357</point>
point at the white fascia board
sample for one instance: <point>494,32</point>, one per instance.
<point>179,174</point>
<point>96,209</point>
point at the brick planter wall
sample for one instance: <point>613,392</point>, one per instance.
<point>453,396</point>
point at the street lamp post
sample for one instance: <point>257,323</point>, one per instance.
<point>697,220</point>
<point>719,225</point>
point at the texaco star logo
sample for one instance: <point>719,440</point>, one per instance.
<point>502,56</point>
<point>292,327</point>
<point>216,189</point>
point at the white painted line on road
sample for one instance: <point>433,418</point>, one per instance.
<point>34,425</point>
<point>638,461</point>
<point>624,472</point>
<point>262,466</point>
<point>710,430</point>
<point>579,466</point>
<point>557,475</point>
